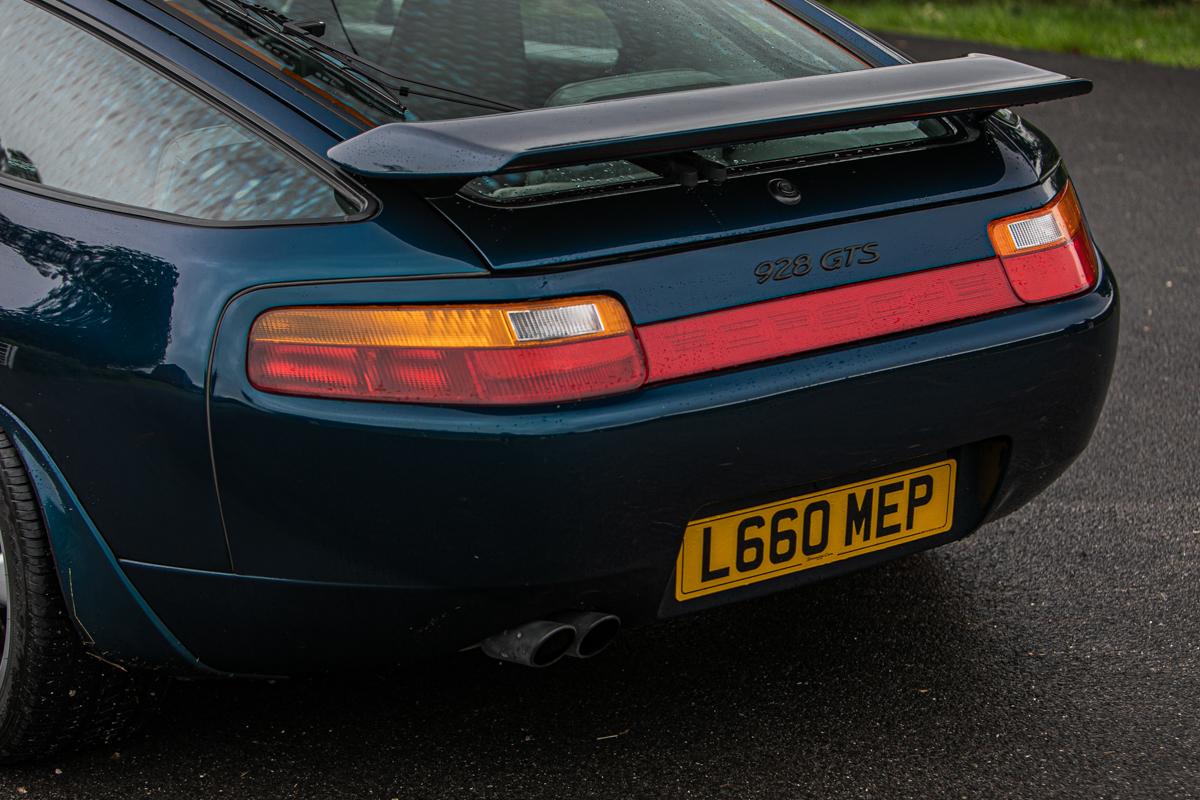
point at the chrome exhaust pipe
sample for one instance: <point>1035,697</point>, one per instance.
<point>594,631</point>
<point>535,644</point>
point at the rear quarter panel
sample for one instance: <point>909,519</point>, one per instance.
<point>109,319</point>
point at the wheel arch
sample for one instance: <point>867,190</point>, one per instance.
<point>112,618</point>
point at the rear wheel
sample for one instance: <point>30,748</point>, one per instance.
<point>54,695</point>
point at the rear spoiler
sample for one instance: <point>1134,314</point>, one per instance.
<point>652,125</point>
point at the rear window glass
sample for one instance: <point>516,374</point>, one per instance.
<point>536,53</point>
<point>442,59</point>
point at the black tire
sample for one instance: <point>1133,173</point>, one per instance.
<point>54,694</point>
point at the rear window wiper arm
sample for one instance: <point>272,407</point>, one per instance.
<point>364,72</point>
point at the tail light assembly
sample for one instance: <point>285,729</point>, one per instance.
<point>494,354</point>
<point>557,351</point>
<point>1046,253</point>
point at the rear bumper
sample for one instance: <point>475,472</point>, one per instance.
<point>373,537</point>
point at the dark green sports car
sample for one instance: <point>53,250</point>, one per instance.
<point>347,331</point>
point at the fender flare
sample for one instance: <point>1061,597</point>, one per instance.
<point>112,618</point>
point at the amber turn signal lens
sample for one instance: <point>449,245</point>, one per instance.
<point>1046,253</point>
<point>546,351</point>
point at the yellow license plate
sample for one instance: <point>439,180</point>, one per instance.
<point>777,539</point>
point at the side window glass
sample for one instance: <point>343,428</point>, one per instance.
<point>79,115</point>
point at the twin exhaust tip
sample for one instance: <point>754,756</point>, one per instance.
<point>579,634</point>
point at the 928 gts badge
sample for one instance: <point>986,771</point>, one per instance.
<point>856,255</point>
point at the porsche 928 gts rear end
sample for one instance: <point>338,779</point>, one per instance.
<point>744,314</point>
<point>723,337</point>
<point>631,310</point>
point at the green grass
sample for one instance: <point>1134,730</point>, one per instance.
<point>1162,34</point>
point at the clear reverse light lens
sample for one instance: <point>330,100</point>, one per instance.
<point>548,324</point>
<point>1035,232</point>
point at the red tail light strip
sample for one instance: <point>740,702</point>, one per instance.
<point>792,325</point>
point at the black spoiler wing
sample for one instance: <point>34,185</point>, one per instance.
<point>669,123</point>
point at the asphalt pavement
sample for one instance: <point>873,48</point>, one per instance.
<point>1054,654</point>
